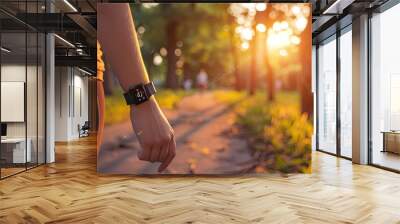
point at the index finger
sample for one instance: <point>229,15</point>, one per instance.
<point>170,157</point>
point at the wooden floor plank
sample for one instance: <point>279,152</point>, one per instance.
<point>70,191</point>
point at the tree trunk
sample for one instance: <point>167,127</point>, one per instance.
<point>270,76</point>
<point>305,80</point>
<point>172,78</point>
<point>270,82</point>
<point>253,71</point>
<point>238,83</point>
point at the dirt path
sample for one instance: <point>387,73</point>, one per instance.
<point>206,143</point>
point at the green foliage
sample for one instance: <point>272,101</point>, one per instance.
<point>228,96</point>
<point>206,32</point>
<point>116,108</point>
<point>117,111</point>
<point>279,134</point>
<point>168,99</point>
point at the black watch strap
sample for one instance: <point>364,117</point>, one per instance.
<point>140,93</point>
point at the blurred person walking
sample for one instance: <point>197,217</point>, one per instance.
<point>202,80</point>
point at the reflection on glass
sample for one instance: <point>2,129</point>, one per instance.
<point>327,97</point>
<point>394,102</point>
<point>41,99</point>
<point>14,153</point>
<point>22,92</point>
<point>346,94</point>
<point>31,97</point>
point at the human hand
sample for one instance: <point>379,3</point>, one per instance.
<point>154,132</point>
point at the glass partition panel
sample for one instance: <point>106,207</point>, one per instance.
<point>14,153</point>
<point>327,96</point>
<point>346,94</point>
<point>41,98</point>
<point>385,89</point>
<point>22,88</point>
<point>31,98</point>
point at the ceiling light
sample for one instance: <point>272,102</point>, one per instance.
<point>65,41</point>
<point>70,5</point>
<point>338,6</point>
<point>84,71</point>
<point>5,50</point>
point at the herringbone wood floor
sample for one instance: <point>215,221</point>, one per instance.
<point>70,191</point>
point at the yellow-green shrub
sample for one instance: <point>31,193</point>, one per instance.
<point>279,134</point>
<point>228,96</point>
<point>117,111</point>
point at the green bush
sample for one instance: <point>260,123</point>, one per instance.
<point>279,134</point>
<point>168,99</point>
<point>228,96</point>
<point>117,111</point>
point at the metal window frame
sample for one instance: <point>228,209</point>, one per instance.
<point>387,5</point>
<point>44,75</point>
<point>381,9</point>
<point>339,32</point>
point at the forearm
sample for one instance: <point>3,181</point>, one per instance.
<point>118,38</point>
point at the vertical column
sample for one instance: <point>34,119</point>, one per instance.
<point>338,99</point>
<point>314,93</point>
<point>92,99</point>
<point>360,90</point>
<point>50,92</point>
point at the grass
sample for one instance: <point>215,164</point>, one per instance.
<point>117,111</point>
<point>279,134</point>
<point>229,96</point>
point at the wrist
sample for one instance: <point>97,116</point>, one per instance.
<point>145,105</point>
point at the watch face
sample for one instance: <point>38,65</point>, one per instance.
<point>137,95</point>
<point>140,95</point>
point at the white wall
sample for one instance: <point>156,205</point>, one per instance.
<point>61,103</point>
<point>71,93</point>
<point>16,73</point>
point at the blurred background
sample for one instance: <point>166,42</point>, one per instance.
<point>234,81</point>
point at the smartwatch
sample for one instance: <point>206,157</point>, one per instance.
<point>139,93</point>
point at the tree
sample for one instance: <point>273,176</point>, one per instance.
<point>305,81</point>
<point>235,56</point>
<point>199,32</point>
<point>270,76</point>
<point>172,78</point>
<point>253,66</point>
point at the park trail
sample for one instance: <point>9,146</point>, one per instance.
<point>206,137</point>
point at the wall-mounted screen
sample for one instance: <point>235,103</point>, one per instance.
<point>12,101</point>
